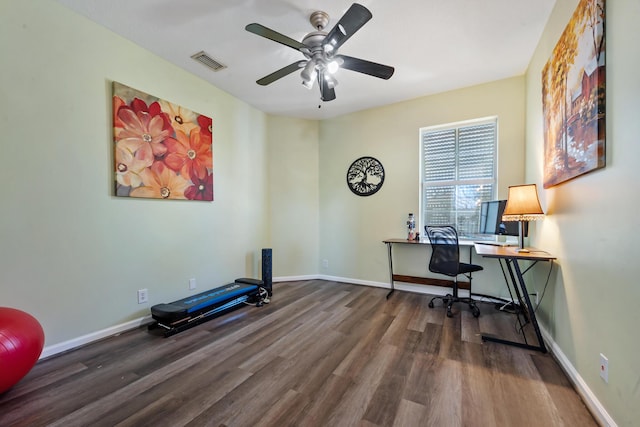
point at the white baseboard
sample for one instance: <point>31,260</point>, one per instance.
<point>581,386</point>
<point>420,289</point>
<point>295,278</point>
<point>94,336</point>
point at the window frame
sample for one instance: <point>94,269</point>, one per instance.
<point>457,181</point>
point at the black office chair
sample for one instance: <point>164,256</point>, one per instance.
<point>445,259</point>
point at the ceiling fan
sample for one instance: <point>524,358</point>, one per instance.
<point>321,50</point>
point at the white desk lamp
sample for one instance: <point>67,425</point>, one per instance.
<point>522,205</point>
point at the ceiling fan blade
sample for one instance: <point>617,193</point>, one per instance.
<point>366,67</point>
<point>285,71</point>
<point>270,34</point>
<point>326,93</point>
<point>351,21</point>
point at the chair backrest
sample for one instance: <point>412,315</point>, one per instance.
<point>445,252</point>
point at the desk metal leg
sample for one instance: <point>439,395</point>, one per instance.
<point>532,314</point>
<point>389,244</point>
<point>516,288</point>
<point>520,284</point>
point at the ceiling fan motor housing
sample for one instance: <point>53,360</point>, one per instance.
<point>319,19</point>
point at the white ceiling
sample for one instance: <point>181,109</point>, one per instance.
<point>434,45</point>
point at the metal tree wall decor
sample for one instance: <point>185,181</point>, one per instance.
<point>365,176</point>
<point>573,97</point>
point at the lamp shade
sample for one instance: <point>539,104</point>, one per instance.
<point>522,204</point>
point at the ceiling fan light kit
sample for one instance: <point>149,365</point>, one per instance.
<point>321,51</point>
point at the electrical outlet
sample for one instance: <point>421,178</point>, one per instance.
<point>143,296</point>
<point>192,283</point>
<point>325,263</point>
<point>604,368</point>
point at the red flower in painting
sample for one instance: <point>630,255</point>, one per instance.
<point>202,189</point>
<point>139,106</point>
<point>206,125</point>
<point>190,155</point>
<point>156,110</point>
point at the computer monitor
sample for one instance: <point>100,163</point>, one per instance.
<point>491,220</point>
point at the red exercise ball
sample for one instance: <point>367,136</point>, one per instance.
<point>21,342</point>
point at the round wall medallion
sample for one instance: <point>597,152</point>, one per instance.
<point>365,176</point>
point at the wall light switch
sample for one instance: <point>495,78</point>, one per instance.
<point>192,283</point>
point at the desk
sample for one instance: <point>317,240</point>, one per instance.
<point>511,256</point>
<point>421,280</point>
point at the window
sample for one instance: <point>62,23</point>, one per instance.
<point>458,172</point>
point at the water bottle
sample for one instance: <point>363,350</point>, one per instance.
<point>411,227</point>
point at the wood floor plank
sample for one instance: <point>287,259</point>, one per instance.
<point>179,404</point>
<point>569,407</point>
<point>351,409</point>
<point>40,380</point>
<point>470,328</point>
<point>410,414</point>
<point>248,400</point>
<point>278,414</point>
<point>477,392</point>
<point>450,340</point>
<point>421,315</point>
<point>323,365</point>
<point>321,353</point>
<point>97,408</point>
<point>321,404</point>
<point>384,403</point>
<point>420,381</point>
<point>286,343</point>
<point>444,403</point>
<point>430,339</point>
<point>368,344</point>
<point>512,376</point>
<point>398,330</point>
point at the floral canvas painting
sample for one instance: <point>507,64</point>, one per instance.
<point>162,150</point>
<point>573,97</point>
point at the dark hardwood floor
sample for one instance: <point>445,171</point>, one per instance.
<point>320,354</point>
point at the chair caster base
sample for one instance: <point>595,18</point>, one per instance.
<point>449,300</point>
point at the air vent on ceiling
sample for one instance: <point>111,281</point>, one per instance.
<point>205,59</point>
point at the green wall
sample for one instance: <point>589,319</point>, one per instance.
<point>71,253</point>
<point>352,228</point>
<point>293,195</point>
<point>591,306</point>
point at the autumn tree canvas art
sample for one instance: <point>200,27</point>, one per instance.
<point>161,150</point>
<point>573,97</point>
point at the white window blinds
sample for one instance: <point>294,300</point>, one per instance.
<point>458,172</point>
